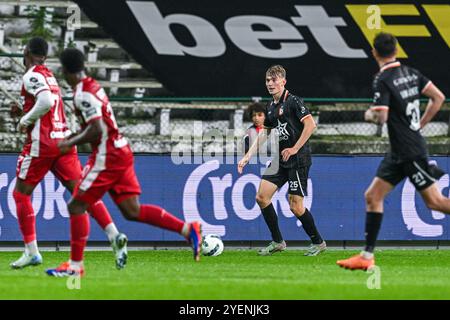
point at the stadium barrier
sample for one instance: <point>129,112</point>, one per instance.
<point>210,190</point>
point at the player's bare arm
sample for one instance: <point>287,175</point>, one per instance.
<point>261,138</point>
<point>435,102</point>
<point>309,127</point>
<point>376,115</point>
<point>90,134</point>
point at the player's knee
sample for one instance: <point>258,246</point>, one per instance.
<point>262,200</point>
<point>372,198</point>
<point>434,203</point>
<point>18,196</point>
<point>297,208</point>
<point>131,213</point>
<point>70,185</point>
<point>77,207</point>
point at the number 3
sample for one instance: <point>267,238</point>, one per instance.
<point>413,111</point>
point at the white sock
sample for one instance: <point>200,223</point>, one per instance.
<point>185,230</point>
<point>76,265</point>
<point>367,255</point>
<point>111,231</point>
<point>31,248</point>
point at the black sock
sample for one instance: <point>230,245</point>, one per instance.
<point>271,218</point>
<point>309,226</point>
<point>373,224</point>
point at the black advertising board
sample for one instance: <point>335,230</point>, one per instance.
<point>222,48</point>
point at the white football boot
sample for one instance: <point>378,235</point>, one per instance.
<point>27,260</point>
<point>119,245</point>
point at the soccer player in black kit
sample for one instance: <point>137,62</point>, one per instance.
<point>294,124</point>
<point>397,89</point>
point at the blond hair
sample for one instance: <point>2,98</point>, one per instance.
<point>276,71</point>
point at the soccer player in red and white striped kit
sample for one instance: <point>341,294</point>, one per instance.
<point>110,168</point>
<point>44,123</point>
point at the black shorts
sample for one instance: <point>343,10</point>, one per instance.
<point>420,172</point>
<point>297,178</point>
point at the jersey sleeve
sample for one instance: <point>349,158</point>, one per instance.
<point>424,82</point>
<point>89,106</point>
<point>301,111</point>
<point>246,141</point>
<point>267,122</point>
<point>34,83</point>
<point>381,95</point>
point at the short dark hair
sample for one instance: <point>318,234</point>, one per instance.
<point>385,44</point>
<point>72,60</point>
<point>255,107</point>
<point>38,46</point>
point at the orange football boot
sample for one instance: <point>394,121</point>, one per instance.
<point>65,270</point>
<point>356,262</point>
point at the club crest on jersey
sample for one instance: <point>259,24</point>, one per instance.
<point>376,96</point>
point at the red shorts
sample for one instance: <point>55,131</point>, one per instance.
<point>32,170</point>
<point>120,183</point>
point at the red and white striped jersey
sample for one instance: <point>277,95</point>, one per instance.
<point>91,103</point>
<point>44,135</point>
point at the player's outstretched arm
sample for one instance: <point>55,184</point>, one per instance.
<point>261,138</point>
<point>91,133</point>
<point>437,98</point>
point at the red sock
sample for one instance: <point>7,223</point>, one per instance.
<point>159,217</point>
<point>99,212</point>
<point>25,216</point>
<point>79,233</point>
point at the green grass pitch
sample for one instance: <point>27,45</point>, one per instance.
<point>236,274</point>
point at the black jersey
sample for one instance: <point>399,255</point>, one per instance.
<point>287,117</point>
<point>398,88</point>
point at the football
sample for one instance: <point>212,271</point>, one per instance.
<point>212,245</point>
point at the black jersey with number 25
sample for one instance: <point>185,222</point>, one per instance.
<point>286,117</point>
<point>398,88</point>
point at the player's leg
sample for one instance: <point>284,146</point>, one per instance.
<point>267,188</point>
<point>159,217</point>
<point>435,200</point>
<point>389,174</point>
<point>302,213</point>
<point>424,176</point>
<point>298,186</point>
<point>99,212</point>
<point>67,168</point>
<point>125,194</point>
<point>79,233</point>
<point>91,188</point>
<point>101,215</point>
<point>30,171</point>
<point>374,197</point>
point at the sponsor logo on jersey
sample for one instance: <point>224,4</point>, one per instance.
<point>282,130</point>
